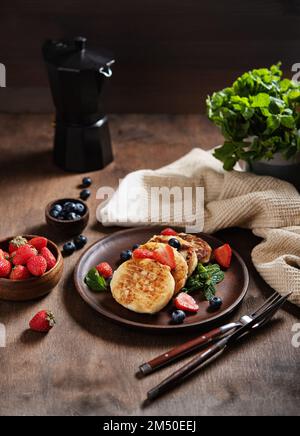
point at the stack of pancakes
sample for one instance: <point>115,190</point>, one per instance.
<point>147,286</point>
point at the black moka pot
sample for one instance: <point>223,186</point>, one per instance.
<point>77,77</point>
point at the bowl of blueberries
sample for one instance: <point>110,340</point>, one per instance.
<point>69,216</point>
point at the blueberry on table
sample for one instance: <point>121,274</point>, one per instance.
<point>80,241</point>
<point>69,206</point>
<point>86,182</point>
<point>84,194</point>
<point>126,255</point>
<point>69,248</point>
<point>173,242</point>
<point>178,316</point>
<point>215,303</point>
<point>80,208</point>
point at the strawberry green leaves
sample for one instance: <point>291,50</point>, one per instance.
<point>261,106</point>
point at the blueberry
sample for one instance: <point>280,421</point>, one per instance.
<point>54,213</point>
<point>80,241</point>
<point>72,216</point>
<point>135,247</point>
<point>84,194</point>
<point>69,248</point>
<point>86,182</point>
<point>126,255</point>
<point>173,242</point>
<point>215,303</point>
<point>178,316</point>
<point>69,206</point>
<point>62,216</point>
<point>57,207</point>
<point>80,208</point>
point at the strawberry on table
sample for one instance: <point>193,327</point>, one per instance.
<point>38,242</point>
<point>104,269</point>
<point>165,255</point>
<point>43,321</point>
<point>19,272</point>
<point>37,265</point>
<point>223,255</point>
<point>186,303</point>
<point>49,257</point>
<point>17,242</point>
<point>5,268</point>
<point>23,254</point>
<point>168,232</point>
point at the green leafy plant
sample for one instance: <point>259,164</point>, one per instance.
<point>205,278</point>
<point>258,117</point>
<point>95,281</point>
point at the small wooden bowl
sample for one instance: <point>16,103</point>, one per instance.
<point>67,228</point>
<point>35,287</point>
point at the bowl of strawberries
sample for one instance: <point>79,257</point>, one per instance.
<point>30,267</point>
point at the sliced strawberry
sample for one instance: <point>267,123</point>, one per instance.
<point>223,255</point>
<point>165,255</point>
<point>185,302</point>
<point>168,232</point>
<point>104,269</point>
<point>38,242</point>
<point>142,253</point>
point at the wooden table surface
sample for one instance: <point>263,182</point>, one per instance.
<point>86,365</point>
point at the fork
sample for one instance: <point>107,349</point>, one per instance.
<point>217,349</point>
<point>202,340</point>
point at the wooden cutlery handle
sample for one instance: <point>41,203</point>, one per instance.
<point>179,351</point>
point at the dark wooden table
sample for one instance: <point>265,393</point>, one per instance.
<point>86,365</point>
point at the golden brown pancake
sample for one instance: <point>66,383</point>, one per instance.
<point>202,248</point>
<point>143,286</point>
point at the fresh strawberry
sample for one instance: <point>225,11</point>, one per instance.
<point>49,257</point>
<point>165,255</point>
<point>23,254</point>
<point>4,255</point>
<point>43,321</point>
<point>5,267</point>
<point>142,253</point>
<point>38,242</point>
<point>168,232</point>
<point>185,302</point>
<point>19,272</point>
<point>17,242</point>
<point>104,269</point>
<point>223,255</point>
<point>37,265</point>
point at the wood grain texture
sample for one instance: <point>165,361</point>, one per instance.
<point>86,365</point>
<point>169,54</point>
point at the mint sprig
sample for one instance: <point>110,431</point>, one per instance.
<point>95,281</point>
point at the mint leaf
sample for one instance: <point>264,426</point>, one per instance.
<point>95,281</point>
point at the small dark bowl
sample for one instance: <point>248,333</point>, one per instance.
<point>34,287</point>
<point>66,227</point>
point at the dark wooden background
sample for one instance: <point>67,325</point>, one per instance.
<point>170,54</point>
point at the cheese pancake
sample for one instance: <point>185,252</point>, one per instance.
<point>202,248</point>
<point>143,286</point>
<point>180,273</point>
<point>186,250</point>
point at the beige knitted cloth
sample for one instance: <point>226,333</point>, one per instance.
<point>270,207</point>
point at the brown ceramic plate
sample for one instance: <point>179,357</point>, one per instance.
<point>232,290</point>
